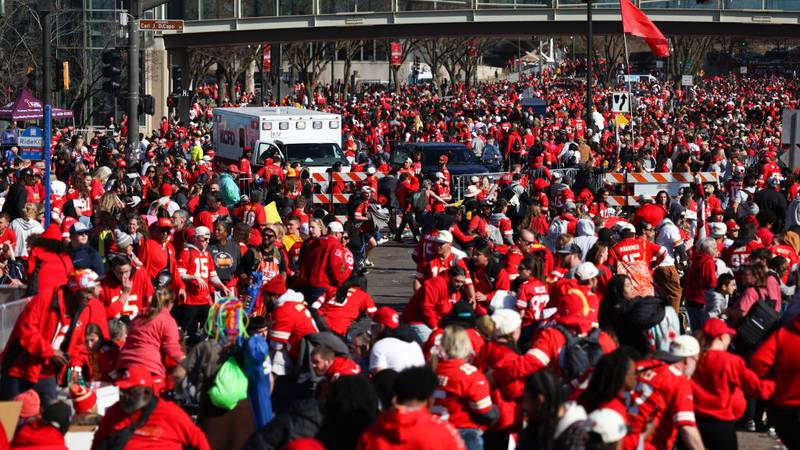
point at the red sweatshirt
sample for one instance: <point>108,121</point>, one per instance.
<point>167,428</point>
<point>720,384</point>
<point>778,359</point>
<point>430,303</point>
<point>410,429</point>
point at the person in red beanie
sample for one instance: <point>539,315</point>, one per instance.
<point>409,425</point>
<point>778,359</point>
<point>719,384</point>
<point>49,263</point>
<point>84,399</point>
<point>31,406</point>
<point>49,337</point>
<point>150,422</point>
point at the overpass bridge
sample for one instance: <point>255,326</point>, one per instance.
<point>238,22</point>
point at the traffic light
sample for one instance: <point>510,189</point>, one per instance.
<point>112,70</point>
<point>177,79</point>
<point>147,105</point>
<point>171,102</point>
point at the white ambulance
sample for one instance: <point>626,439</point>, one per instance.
<point>312,138</point>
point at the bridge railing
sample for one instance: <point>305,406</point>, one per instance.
<point>229,9</point>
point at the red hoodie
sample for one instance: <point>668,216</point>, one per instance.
<point>39,436</point>
<point>778,359</point>
<point>720,383</point>
<point>410,429</point>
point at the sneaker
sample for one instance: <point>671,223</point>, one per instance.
<point>751,426</point>
<point>383,240</point>
<point>368,263</point>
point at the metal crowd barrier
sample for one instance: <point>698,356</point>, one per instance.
<point>9,313</point>
<point>592,178</point>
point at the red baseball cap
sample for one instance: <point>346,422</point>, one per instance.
<point>443,158</point>
<point>276,286</point>
<point>732,225</point>
<point>714,328</point>
<point>133,376</point>
<point>233,169</point>
<point>165,222</point>
<point>387,317</point>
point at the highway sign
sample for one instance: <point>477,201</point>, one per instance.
<point>31,144</point>
<point>687,80</point>
<point>620,102</point>
<point>160,25</point>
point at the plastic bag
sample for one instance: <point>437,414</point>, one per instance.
<point>230,385</point>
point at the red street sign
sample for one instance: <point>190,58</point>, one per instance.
<point>266,57</point>
<point>160,25</point>
<point>397,54</point>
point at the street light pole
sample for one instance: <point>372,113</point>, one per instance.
<point>589,63</point>
<point>46,7</point>
<point>133,76</point>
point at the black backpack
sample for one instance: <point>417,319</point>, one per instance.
<point>580,353</point>
<point>419,201</point>
<point>760,321</point>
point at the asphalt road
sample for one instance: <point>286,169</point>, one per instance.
<point>390,284</point>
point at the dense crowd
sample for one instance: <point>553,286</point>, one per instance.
<point>540,315</point>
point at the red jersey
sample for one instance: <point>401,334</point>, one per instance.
<point>207,218</point>
<point>637,249</point>
<point>252,214</point>
<point>197,263</point>
<point>532,297</point>
<point>663,394</point>
<point>737,257</point>
<point>339,316</point>
<point>437,265</point>
<point>291,321</point>
<point>511,262</point>
<point>137,300</point>
<point>462,389</point>
<point>430,303</point>
<point>787,252</point>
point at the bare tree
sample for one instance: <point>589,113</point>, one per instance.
<point>612,49</point>
<point>689,54</point>
<point>349,49</point>
<point>307,58</point>
<point>438,53</point>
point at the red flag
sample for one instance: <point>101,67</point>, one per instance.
<point>636,23</point>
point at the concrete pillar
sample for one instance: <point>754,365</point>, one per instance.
<point>156,81</point>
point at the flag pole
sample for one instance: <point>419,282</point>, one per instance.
<point>629,83</point>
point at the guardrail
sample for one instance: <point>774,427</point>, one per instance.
<point>9,313</point>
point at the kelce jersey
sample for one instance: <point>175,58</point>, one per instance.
<point>462,388</point>
<point>662,395</point>
<point>532,297</point>
<point>195,262</point>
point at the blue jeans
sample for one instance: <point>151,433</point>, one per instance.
<point>696,316</point>
<point>422,332</point>
<point>472,437</point>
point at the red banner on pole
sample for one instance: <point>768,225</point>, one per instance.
<point>397,54</point>
<point>266,57</point>
<point>473,48</point>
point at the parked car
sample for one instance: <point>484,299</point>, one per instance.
<point>461,161</point>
